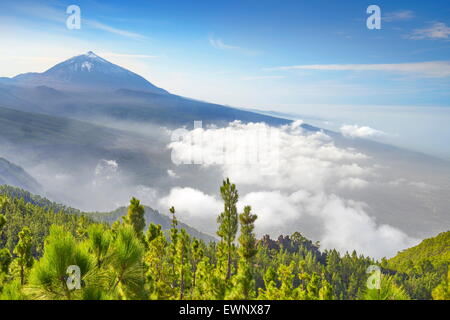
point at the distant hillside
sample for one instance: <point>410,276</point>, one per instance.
<point>28,197</point>
<point>153,216</point>
<point>88,86</point>
<point>70,145</point>
<point>436,250</point>
<point>14,175</point>
<point>35,213</point>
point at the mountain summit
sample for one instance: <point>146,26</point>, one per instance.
<point>88,72</point>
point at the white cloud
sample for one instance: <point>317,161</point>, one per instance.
<point>355,131</point>
<point>437,31</point>
<point>299,196</point>
<point>353,183</point>
<point>221,45</point>
<point>194,206</point>
<point>172,173</point>
<point>274,210</point>
<point>417,184</point>
<point>401,15</point>
<point>105,171</point>
<point>430,69</point>
<point>107,28</point>
<point>127,55</point>
<point>252,152</point>
<point>57,13</point>
<point>348,227</point>
<point>250,78</point>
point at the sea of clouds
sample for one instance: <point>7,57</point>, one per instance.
<point>294,177</point>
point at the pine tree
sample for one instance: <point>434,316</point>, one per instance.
<point>173,234</point>
<point>286,277</point>
<point>247,238</point>
<point>442,291</point>
<point>159,272</point>
<point>126,264</point>
<point>388,290</point>
<point>99,241</point>
<point>244,283</point>
<point>153,232</point>
<point>2,221</point>
<point>5,255</point>
<point>228,221</point>
<point>48,277</point>
<point>5,260</point>
<point>182,261</point>
<point>197,254</point>
<point>326,291</point>
<point>136,217</point>
<point>23,253</point>
<point>271,291</point>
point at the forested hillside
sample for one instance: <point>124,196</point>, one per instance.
<point>41,243</point>
<point>150,215</point>
<point>422,267</point>
<point>436,250</point>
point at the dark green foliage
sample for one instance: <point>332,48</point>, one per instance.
<point>228,221</point>
<point>433,252</point>
<point>123,262</point>
<point>19,214</point>
<point>135,217</point>
<point>23,252</point>
<point>151,216</point>
<point>5,260</point>
<point>17,193</point>
<point>422,268</point>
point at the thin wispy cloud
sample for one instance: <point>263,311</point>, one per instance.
<point>355,131</point>
<point>127,55</point>
<point>401,15</point>
<point>251,78</point>
<point>104,27</point>
<point>57,14</point>
<point>221,45</point>
<point>431,69</point>
<point>436,31</point>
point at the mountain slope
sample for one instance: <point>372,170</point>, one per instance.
<point>151,216</point>
<point>88,86</point>
<point>436,250</point>
<point>57,146</point>
<point>28,197</point>
<point>125,104</point>
<point>14,175</point>
<point>86,72</point>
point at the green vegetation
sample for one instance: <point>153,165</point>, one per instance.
<point>48,251</point>
<point>434,250</point>
<point>424,267</point>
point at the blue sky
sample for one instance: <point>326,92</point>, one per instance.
<point>294,56</point>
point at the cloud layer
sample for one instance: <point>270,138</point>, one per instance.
<point>428,69</point>
<point>299,194</point>
<point>436,31</point>
<point>355,131</point>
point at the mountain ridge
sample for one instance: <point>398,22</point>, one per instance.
<point>86,72</point>
<point>15,175</point>
<point>151,215</point>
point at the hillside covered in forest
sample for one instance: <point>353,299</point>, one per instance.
<point>127,257</point>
